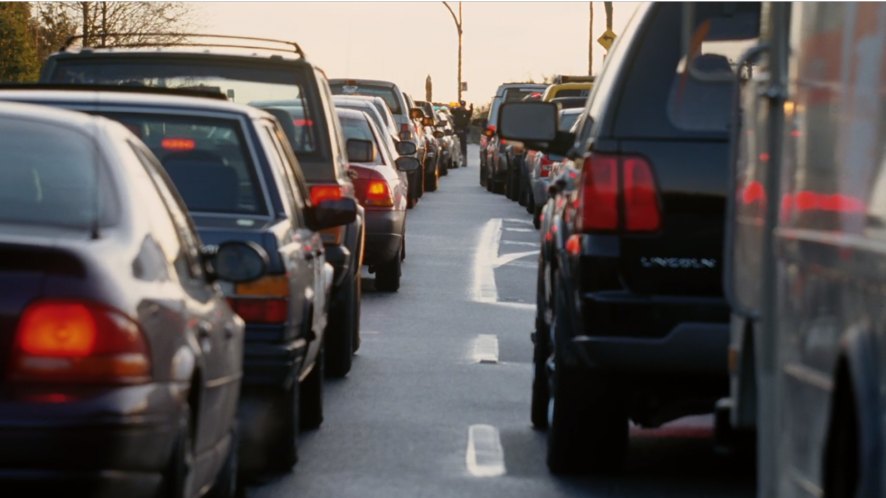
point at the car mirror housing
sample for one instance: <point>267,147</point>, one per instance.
<point>331,213</point>
<point>405,147</point>
<point>407,164</point>
<point>360,151</point>
<point>235,261</point>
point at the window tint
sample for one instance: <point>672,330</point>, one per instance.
<point>359,129</point>
<point>261,86</point>
<point>385,92</point>
<point>51,175</point>
<point>182,224</point>
<point>207,159</point>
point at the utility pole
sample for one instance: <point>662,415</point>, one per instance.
<point>458,26</point>
<point>104,23</point>
<point>590,38</point>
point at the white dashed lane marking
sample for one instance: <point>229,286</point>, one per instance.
<point>485,456</point>
<point>485,349</point>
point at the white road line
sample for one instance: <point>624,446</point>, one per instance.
<point>522,230</point>
<point>521,243</point>
<point>511,257</point>
<point>485,456</point>
<point>518,220</point>
<point>485,349</point>
<point>515,305</point>
<point>483,289</point>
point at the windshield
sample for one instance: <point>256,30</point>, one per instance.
<point>207,159</point>
<point>49,176</point>
<point>385,92</point>
<point>243,84</point>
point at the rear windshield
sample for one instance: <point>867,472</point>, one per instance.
<point>517,94</point>
<point>385,92</point>
<point>376,119</point>
<point>359,129</point>
<point>207,159</point>
<point>51,176</point>
<point>259,86</point>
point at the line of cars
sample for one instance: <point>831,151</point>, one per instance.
<point>182,260</point>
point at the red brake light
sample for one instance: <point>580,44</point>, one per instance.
<point>73,341</point>
<point>378,194</point>
<point>641,199</point>
<point>598,199</point>
<point>261,309</point>
<point>545,165</point>
<point>178,144</point>
<point>320,193</point>
<point>303,122</point>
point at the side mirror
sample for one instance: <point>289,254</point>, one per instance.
<point>438,134</point>
<point>235,261</point>
<point>406,147</point>
<point>332,213</point>
<point>427,121</point>
<point>416,113</point>
<point>528,121</point>
<point>360,151</point>
<point>407,164</point>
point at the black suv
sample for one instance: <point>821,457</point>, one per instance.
<point>631,322</point>
<point>278,76</point>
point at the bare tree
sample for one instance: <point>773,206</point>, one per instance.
<point>102,23</point>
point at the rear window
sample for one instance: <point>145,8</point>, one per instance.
<point>659,97</point>
<point>260,86</point>
<point>359,129</point>
<point>574,92</point>
<point>567,119</point>
<point>51,176</point>
<point>518,94</point>
<point>385,92</point>
<point>207,159</point>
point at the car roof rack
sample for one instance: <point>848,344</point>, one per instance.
<point>207,92</point>
<point>182,40</point>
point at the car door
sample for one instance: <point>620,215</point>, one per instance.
<point>218,331</point>
<point>302,253</point>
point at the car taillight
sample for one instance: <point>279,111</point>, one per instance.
<point>378,194</point>
<point>265,300</point>
<point>545,165</point>
<point>641,199</point>
<point>320,193</point>
<point>604,178</point>
<point>78,342</point>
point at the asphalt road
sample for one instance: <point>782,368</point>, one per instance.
<point>451,351</point>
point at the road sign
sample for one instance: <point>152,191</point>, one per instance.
<point>606,39</point>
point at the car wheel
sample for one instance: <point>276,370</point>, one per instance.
<point>536,217</point>
<point>311,403</point>
<point>387,275</point>
<point>226,484</point>
<point>587,420</point>
<point>483,176</point>
<point>431,182</point>
<point>540,382</point>
<point>530,201</point>
<point>283,453</point>
<point>343,320</point>
<point>179,480</point>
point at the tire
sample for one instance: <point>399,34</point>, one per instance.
<point>536,217</point>
<point>588,424</point>
<point>387,275</point>
<point>540,383</point>
<point>842,469</point>
<point>226,484</point>
<point>311,403</point>
<point>431,182</point>
<point>342,328</point>
<point>483,176</point>
<point>283,453</point>
<point>179,479</point>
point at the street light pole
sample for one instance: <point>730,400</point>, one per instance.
<point>458,28</point>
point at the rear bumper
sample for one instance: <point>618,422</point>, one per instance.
<point>114,443</point>
<point>662,334</point>
<point>384,235</point>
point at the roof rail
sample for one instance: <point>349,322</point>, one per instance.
<point>181,40</point>
<point>206,92</point>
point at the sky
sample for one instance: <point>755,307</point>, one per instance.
<point>405,42</point>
